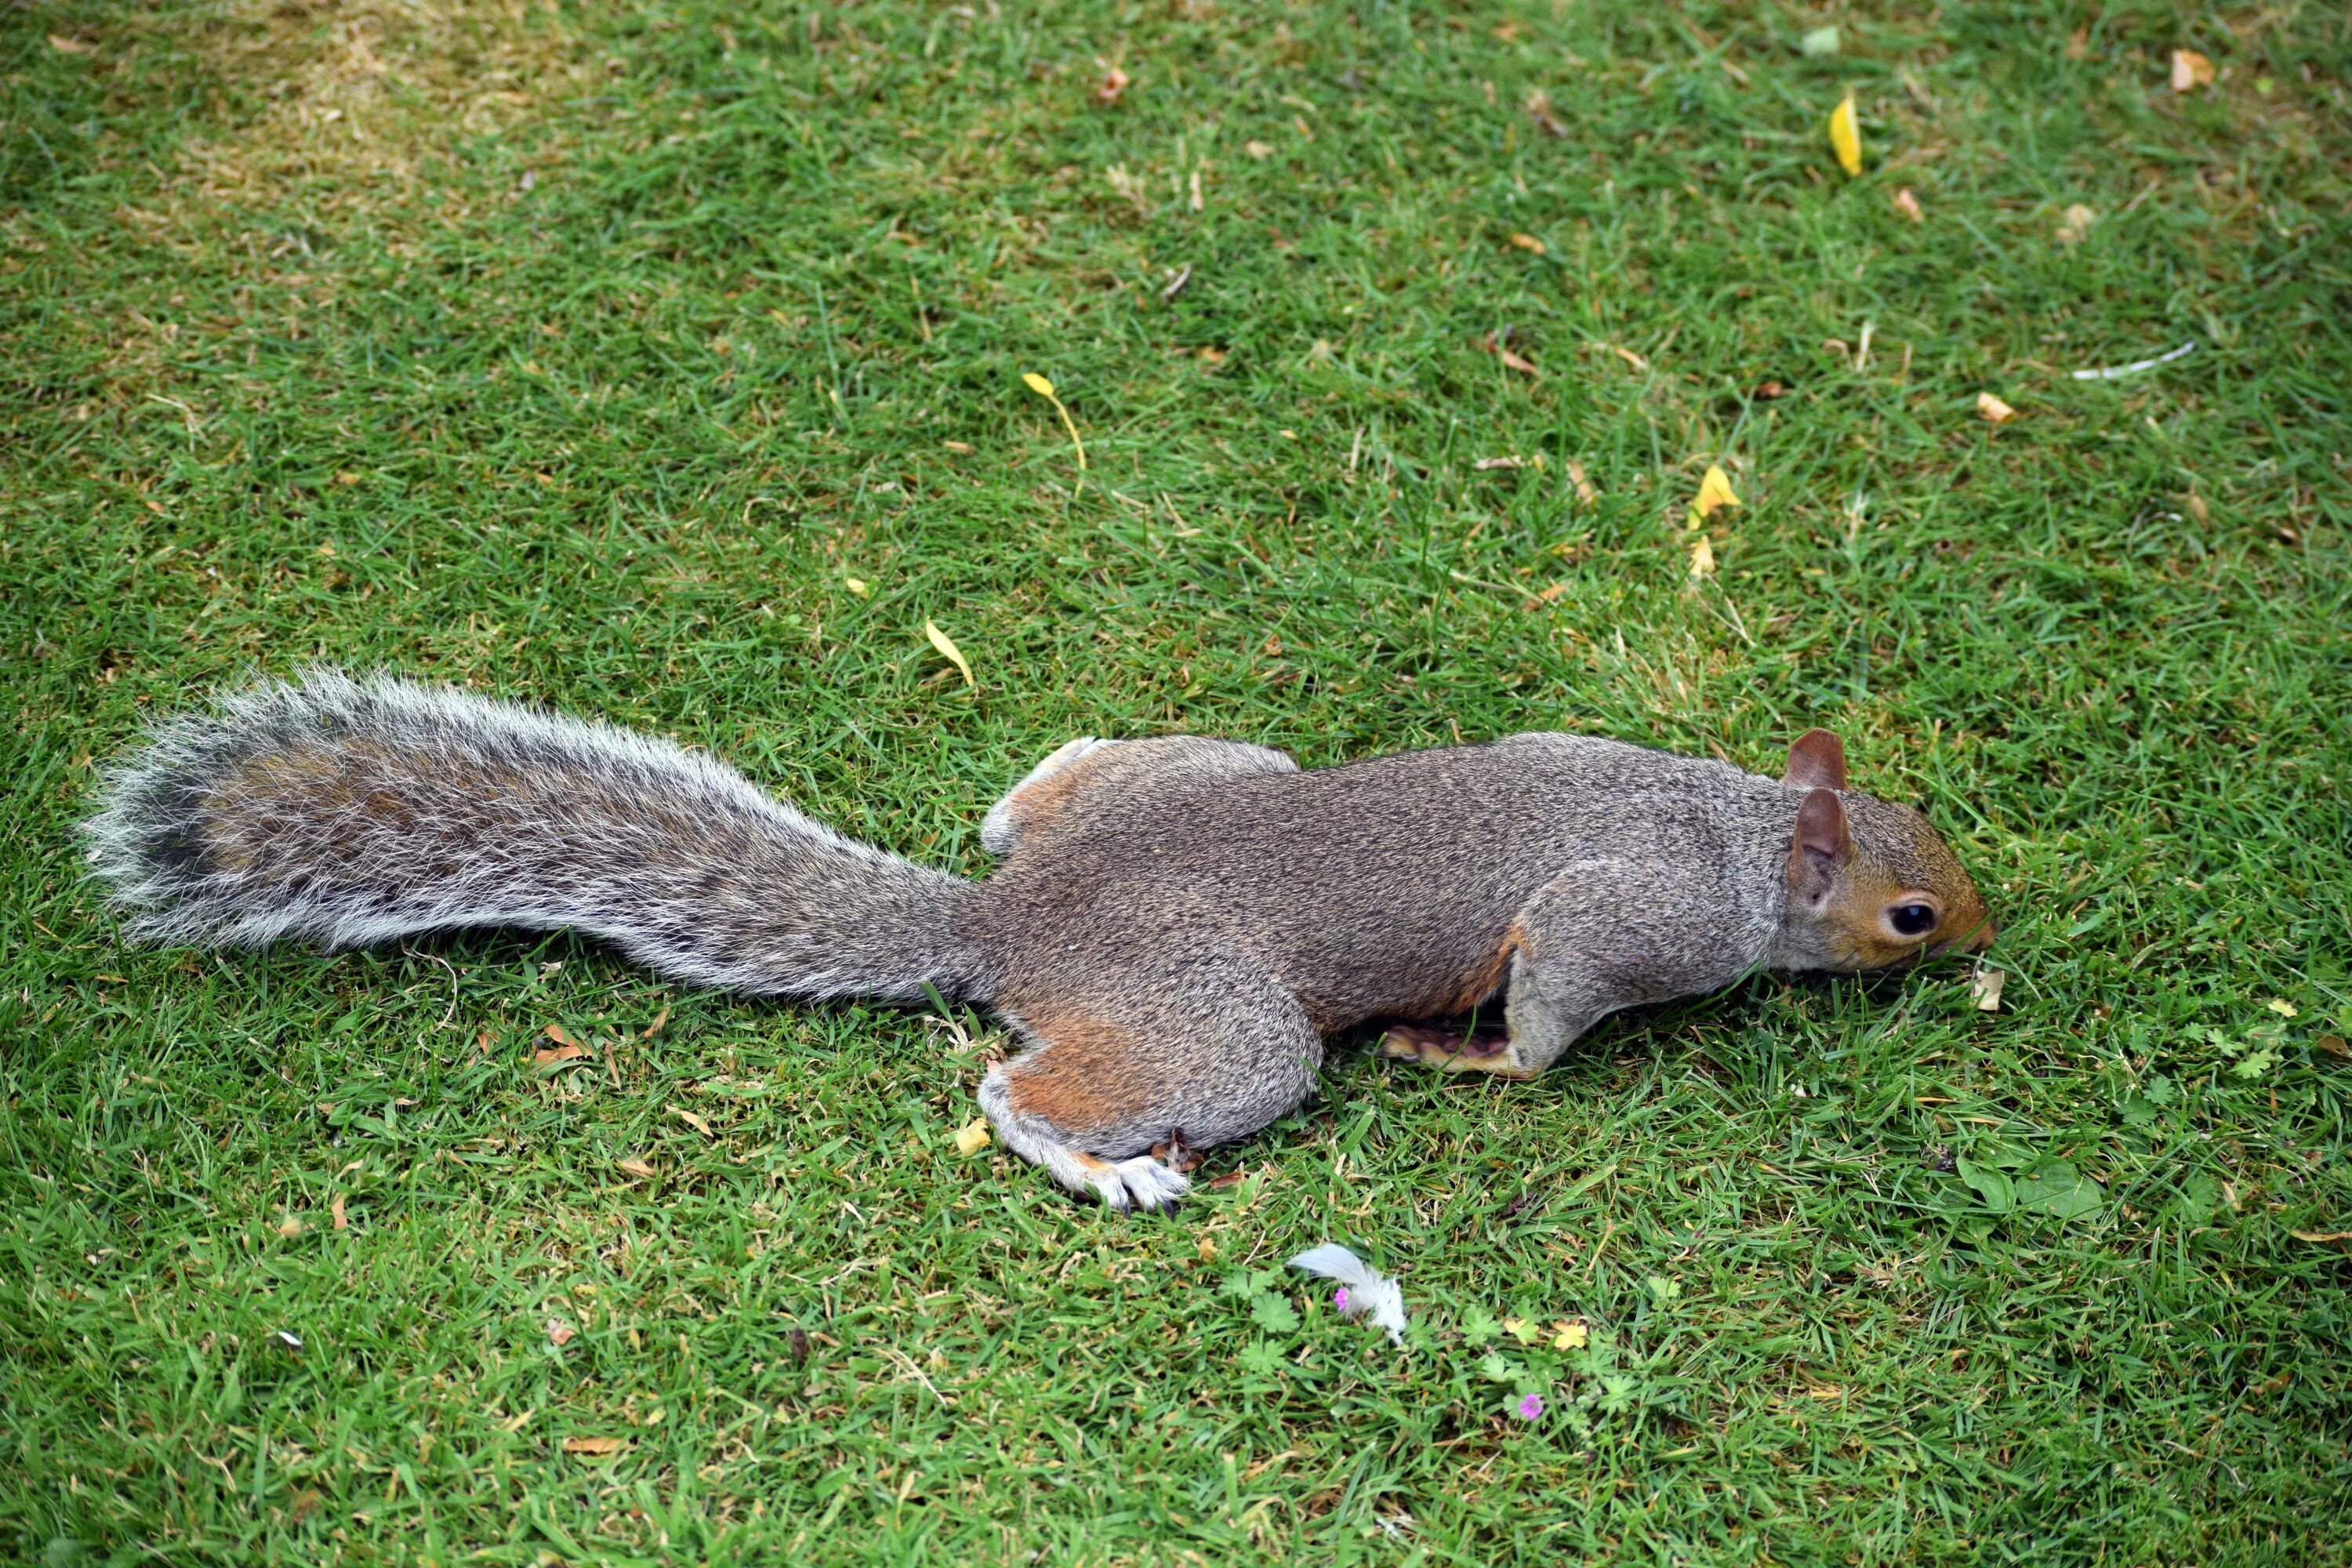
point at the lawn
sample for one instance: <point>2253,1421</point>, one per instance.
<point>662,361</point>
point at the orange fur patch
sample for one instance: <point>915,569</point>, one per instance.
<point>1032,804</point>
<point>1087,1072</point>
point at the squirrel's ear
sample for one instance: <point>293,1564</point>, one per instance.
<point>1820,845</point>
<point>1816,761</point>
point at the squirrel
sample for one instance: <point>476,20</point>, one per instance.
<point>1176,925</point>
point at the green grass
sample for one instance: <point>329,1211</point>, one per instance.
<point>294,366</point>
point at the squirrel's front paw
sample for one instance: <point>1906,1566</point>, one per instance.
<point>1453,1053</point>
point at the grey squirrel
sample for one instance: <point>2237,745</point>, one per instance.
<point>1176,925</point>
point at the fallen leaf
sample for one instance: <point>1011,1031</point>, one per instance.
<point>2198,511</point>
<point>1519,1329</point>
<point>348,477</point>
<point>1180,1156</point>
<point>1821,41</point>
<point>1994,409</point>
<point>1229,1179</point>
<point>559,1332</point>
<point>66,45</point>
<point>691,1119</point>
<point>1260,151</point>
<point>946,645</point>
<point>963,447</point>
<point>1714,493</point>
<point>1571,1336</point>
<point>1196,202</point>
<point>1984,985</point>
<point>2075,225</point>
<point>972,1137</point>
<point>1702,561</point>
<point>1114,82</point>
<point>1529,242</point>
<point>1206,1248</point>
<point>553,1054</point>
<point>1539,109</point>
<point>2191,71</point>
<point>1488,465</point>
<point>555,1032</point>
<point>2333,1045</point>
<point>336,1210</point>
<point>1907,202</point>
<point>635,1166</point>
<point>592,1444</point>
<point>2283,1007</point>
<point>1767,392</point>
<point>1584,491</point>
<point>1037,384</point>
<point>856,585</point>
<point>1212,354</point>
<point>1494,345</point>
<point>1845,136</point>
<point>1629,357</point>
<point>289,1225</point>
<point>2321,1235</point>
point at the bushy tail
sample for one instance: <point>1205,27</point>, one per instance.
<point>353,812</point>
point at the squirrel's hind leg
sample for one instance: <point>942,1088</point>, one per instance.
<point>1000,830</point>
<point>1196,1056</point>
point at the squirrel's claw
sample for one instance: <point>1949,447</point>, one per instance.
<point>1141,1184</point>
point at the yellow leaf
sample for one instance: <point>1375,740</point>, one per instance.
<point>336,1210</point>
<point>1715,492</point>
<point>972,1138</point>
<point>1044,389</point>
<point>1702,558</point>
<point>1529,242</point>
<point>1206,1248</point>
<point>1519,1329</point>
<point>1572,1335</point>
<point>856,585</point>
<point>2283,1007</point>
<point>289,1225</point>
<point>2191,71</point>
<point>1907,202</point>
<point>637,1167</point>
<point>1845,136</point>
<point>1585,493</point>
<point>66,45</point>
<point>2076,224</point>
<point>592,1444</point>
<point>691,1119</point>
<point>1994,409</point>
<point>946,645</point>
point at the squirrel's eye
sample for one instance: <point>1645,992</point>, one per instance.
<point>1912,920</point>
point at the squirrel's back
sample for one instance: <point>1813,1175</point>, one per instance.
<point>1385,887</point>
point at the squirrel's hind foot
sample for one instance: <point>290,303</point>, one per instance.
<point>1140,1183</point>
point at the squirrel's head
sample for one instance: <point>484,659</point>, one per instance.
<point>1870,885</point>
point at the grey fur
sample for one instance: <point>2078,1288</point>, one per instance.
<point>1177,924</point>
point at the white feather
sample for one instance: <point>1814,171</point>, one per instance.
<point>1369,1289</point>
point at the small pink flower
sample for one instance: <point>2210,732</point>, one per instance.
<point>1530,1407</point>
<point>1339,1298</point>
